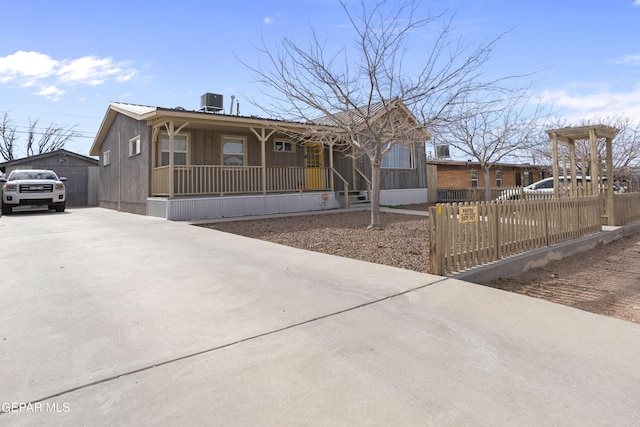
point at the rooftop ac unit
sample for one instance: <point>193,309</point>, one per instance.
<point>211,102</point>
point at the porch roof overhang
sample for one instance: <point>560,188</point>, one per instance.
<point>157,116</point>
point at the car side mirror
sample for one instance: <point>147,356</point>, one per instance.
<point>63,178</point>
<point>3,179</point>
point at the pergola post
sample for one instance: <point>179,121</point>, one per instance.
<point>572,166</point>
<point>610,206</point>
<point>591,133</point>
<point>554,165</point>
<point>594,170</point>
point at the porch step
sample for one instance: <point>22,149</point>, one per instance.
<point>356,198</point>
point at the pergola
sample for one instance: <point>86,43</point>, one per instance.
<point>592,133</point>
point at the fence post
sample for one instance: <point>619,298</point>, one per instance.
<point>433,246</point>
<point>495,213</point>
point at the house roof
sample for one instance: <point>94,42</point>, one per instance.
<point>158,114</point>
<point>358,115</point>
<point>56,153</point>
<point>475,163</point>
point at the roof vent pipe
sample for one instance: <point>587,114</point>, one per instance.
<point>231,108</point>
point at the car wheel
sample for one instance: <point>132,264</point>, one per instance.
<point>60,207</point>
<point>6,209</point>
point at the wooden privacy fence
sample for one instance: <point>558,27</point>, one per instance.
<point>470,234</point>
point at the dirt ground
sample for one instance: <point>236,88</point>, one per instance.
<point>605,280</point>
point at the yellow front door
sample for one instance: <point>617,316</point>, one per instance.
<point>313,156</point>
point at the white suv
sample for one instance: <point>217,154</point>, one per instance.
<point>545,187</point>
<point>33,187</point>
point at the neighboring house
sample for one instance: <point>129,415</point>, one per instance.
<point>81,173</point>
<point>468,174</point>
<point>186,165</point>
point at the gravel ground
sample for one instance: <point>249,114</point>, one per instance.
<point>403,242</point>
<point>604,280</point>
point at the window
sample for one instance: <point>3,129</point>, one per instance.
<point>400,157</point>
<point>180,145</point>
<point>106,158</point>
<point>498,178</point>
<point>134,146</point>
<point>233,151</point>
<point>285,146</point>
<point>527,178</point>
<point>474,178</point>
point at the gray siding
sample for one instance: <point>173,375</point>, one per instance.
<point>124,183</point>
<point>390,179</point>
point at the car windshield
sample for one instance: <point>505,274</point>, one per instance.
<point>21,175</point>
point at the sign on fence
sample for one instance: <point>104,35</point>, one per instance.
<point>468,214</point>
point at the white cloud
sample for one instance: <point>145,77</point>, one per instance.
<point>34,69</point>
<point>50,92</point>
<point>268,20</point>
<point>601,102</point>
<point>26,66</point>
<point>636,3</point>
<point>630,59</point>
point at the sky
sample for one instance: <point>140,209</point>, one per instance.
<point>63,61</point>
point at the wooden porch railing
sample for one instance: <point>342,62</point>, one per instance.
<point>210,180</point>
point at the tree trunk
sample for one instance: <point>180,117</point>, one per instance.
<point>375,195</point>
<point>487,183</point>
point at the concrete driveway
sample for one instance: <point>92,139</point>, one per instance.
<point>116,319</point>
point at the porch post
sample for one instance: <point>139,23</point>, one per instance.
<point>331,179</point>
<point>263,160</point>
<point>353,168</point>
<point>171,165</point>
<point>263,137</point>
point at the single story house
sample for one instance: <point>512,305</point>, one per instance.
<point>461,175</point>
<point>81,173</point>
<point>183,164</point>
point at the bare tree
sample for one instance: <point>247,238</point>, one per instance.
<point>489,130</point>
<point>361,94</point>
<point>52,138</point>
<point>8,135</point>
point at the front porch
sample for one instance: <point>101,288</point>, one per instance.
<point>199,180</point>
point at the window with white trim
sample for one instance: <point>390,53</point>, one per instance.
<point>284,146</point>
<point>180,147</point>
<point>106,158</point>
<point>399,157</point>
<point>233,151</point>
<point>498,178</point>
<point>134,146</point>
